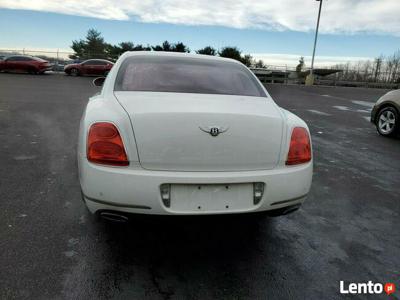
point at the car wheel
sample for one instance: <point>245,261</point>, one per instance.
<point>32,71</point>
<point>387,121</point>
<point>74,72</point>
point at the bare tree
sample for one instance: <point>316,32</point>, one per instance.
<point>393,67</point>
<point>381,69</point>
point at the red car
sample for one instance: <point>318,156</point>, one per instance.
<point>89,67</point>
<point>30,64</point>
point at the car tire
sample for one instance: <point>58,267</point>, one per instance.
<point>387,121</point>
<point>33,71</point>
<point>74,72</point>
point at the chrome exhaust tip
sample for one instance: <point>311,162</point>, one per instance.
<point>283,211</point>
<point>114,217</point>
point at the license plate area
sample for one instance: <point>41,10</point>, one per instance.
<point>211,197</point>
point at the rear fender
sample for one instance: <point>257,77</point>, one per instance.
<point>100,109</point>
<point>292,121</point>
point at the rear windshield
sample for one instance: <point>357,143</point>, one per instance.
<point>186,75</point>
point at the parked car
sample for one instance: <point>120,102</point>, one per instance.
<point>89,67</point>
<point>386,113</point>
<point>30,64</point>
<point>188,134</point>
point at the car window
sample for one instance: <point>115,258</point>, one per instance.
<point>38,59</point>
<point>88,62</point>
<point>95,63</point>
<point>19,58</point>
<point>186,75</point>
<point>12,58</point>
<point>101,62</point>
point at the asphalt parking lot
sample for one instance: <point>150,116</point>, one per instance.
<point>51,248</point>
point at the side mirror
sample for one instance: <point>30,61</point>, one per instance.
<point>98,81</point>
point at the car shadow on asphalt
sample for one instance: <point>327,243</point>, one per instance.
<point>175,234</point>
<point>184,253</point>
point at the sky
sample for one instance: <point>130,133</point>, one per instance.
<point>277,31</point>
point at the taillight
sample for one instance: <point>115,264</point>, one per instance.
<point>300,147</point>
<point>105,146</point>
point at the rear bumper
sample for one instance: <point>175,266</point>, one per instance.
<point>135,190</point>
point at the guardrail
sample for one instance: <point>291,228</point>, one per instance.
<point>381,85</point>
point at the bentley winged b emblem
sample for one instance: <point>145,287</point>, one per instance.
<point>213,130</point>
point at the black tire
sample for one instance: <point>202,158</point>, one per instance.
<point>74,72</point>
<point>387,121</point>
<point>33,71</point>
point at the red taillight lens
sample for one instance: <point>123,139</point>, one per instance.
<point>105,146</point>
<point>300,147</point>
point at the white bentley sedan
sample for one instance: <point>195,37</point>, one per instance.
<point>184,134</point>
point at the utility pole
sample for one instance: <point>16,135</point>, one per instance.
<point>310,77</point>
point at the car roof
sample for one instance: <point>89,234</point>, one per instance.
<point>98,59</point>
<point>19,55</point>
<point>178,54</point>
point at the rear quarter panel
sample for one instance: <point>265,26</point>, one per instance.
<point>100,109</point>
<point>291,121</point>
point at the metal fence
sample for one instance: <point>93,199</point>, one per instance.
<point>53,56</point>
<point>282,74</point>
<point>58,58</point>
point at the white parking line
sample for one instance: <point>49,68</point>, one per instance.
<point>314,111</point>
<point>364,111</point>
<point>339,107</point>
<point>363,103</point>
<point>367,118</point>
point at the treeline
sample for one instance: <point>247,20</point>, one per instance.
<point>94,46</point>
<point>381,69</point>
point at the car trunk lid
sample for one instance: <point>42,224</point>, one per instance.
<point>172,131</point>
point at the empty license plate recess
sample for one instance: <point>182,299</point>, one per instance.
<point>211,197</point>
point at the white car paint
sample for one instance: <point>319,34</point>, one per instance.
<point>207,175</point>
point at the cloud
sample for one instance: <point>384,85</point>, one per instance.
<point>338,16</point>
